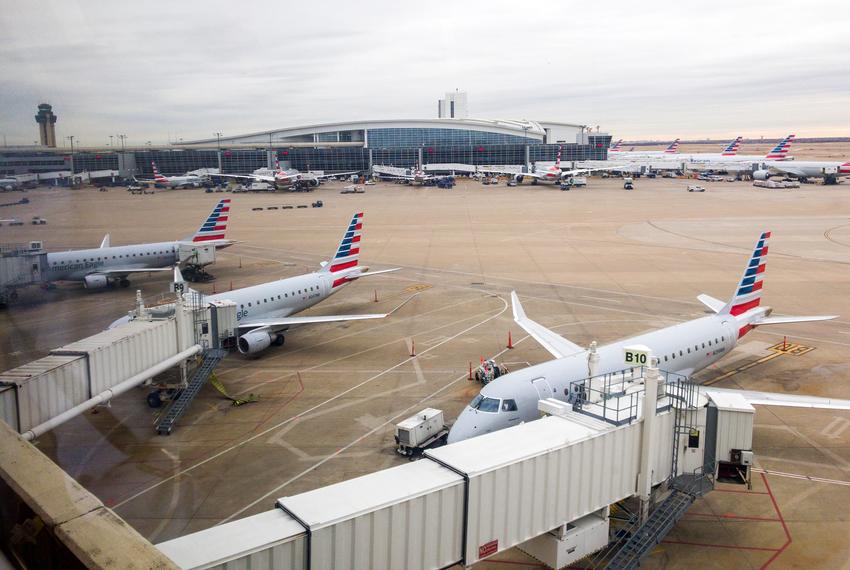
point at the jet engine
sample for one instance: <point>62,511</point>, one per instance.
<point>254,341</point>
<point>96,281</point>
<point>761,175</point>
<point>518,179</point>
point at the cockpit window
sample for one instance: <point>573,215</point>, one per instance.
<point>485,404</point>
<point>509,405</point>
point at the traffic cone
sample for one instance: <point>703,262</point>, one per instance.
<point>510,341</point>
<point>213,289</point>
<point>470,370</point>
<point>412,347</point>
<point>231,285</point>
<point>376,295</point>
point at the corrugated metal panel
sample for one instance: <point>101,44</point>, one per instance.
<point>405,517</point>
<point>47,387</point>
<point>117,354</point>
<point>9,406</point>
<point>515,473</point>
<point>734,431</point>
<point>271,539</point>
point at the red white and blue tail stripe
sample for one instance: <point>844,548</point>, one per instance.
<point>616,146</point>
<point>732,148</point>
<point>673,148</point>
<point>748,294</point>
<point>347,255</point>
<point>156,175</point>
<point>780,151</point>
<point>215,226</point>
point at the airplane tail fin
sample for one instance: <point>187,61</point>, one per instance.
<point>348,252</point>
<point>105,241</point>
<point>673,148</point>
<point>780,151</point>
<point>156,175</point>
<point>844,168</point>
<point>276,164</point>
<point>748,293</point>
<point>616,146</point>
<point>558,159</point>
<point>745,304</point>
<point>215,226</point>
<point>732,148</point>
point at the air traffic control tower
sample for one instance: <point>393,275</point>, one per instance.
<point>46,121</point>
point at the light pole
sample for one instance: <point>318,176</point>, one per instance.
<point>218,152</point>
<point>110,141</point>
<point>123,139</point>
<point>71,138</point>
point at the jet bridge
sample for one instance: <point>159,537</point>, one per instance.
<point>40,395</point>
<point>543,486</point>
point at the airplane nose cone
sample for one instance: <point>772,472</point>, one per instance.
<point>465,427</point>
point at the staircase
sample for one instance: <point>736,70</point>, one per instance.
<point>685,489</point>
<point>181,403</point>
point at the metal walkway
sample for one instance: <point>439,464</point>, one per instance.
<point>685,489</point>
<point>180,404</point>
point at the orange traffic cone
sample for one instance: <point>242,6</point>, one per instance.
<point>510,341</point>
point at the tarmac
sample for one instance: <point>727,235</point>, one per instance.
<point>595,264</point>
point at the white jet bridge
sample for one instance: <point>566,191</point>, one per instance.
<point>544,486</point>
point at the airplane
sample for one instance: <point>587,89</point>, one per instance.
<point>552,174</point>
<point>682,349</point>
<point>414,176</point>
<point>285,178</point>
<point>265,311</point>
<point>672,148</point>
<point>830,171</point>
<point>616,147</point>
<point>186,181</point>
<point>104,266</point>
<point>7,184</point>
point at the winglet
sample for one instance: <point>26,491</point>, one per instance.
<point>178,275</point>
<point>519,312</point>
<point>105,242</point>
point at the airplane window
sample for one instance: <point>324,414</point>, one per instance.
<point>278,297</point>
<point>509,406</point>
<point>665,358</point>
<point>286,294</point>
<point>680,353</point>
<point>241,306</point>
<point>265,300</point>
<point>674,356</point>
<point>475,401</point>
<point>723,338</point>
<point>709,343</point>
<point>703,345</point>
<point>716,341</point>
<point>489,405</point>
<point>249,304</point>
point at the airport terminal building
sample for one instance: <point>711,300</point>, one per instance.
<point>335,147</point>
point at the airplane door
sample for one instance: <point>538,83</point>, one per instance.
<point>544,390</point>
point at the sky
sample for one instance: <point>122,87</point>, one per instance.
<point>162,71</point>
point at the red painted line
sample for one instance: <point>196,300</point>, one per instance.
<point>729,546</point>
<point>737,517</point>
<point>781,520</point>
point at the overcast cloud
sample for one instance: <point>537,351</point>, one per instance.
<point>161,71</point>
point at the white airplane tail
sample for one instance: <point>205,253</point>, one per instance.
<point>673,148</point>
<point>558,159</point>
<point>732,148</point>
<point>156,175</point>
<point>780,151</point>
<point>745,305</point>
<point>215,226</point>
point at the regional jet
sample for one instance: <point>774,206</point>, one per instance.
<point>415,176</point>
<point>185,181</point>
<point>264,312</point>
<point>683,349</point>
<point>830,171</point>
<point>107,265</point>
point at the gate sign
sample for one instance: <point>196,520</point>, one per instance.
<point>488,548</point>
<point>637,355</point>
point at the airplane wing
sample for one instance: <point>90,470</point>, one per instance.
<point>291,321</point>
<point>785,320</point>
<point>127,270</point>
<point>105,242</point>
<point>785,400</point>
<point>509,172</point>
<point>331,175</point>
<point>789,169</point>
<point>557,345</point>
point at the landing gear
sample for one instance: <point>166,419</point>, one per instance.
<point>830,179</point>
<point>124,283</point>
<point>154,400</point>
<point>534,182</point>
<point>279,339</point>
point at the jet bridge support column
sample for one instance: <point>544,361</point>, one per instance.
<point>648,437</point>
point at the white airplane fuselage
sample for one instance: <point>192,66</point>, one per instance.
<point>682,349</point>
<point>281,298</point>
<point>76,264</point>
<point>179,181</point>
